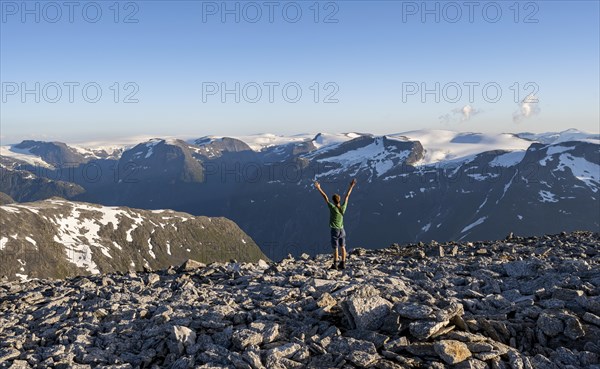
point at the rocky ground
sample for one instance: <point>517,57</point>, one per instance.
<point>516,303</point>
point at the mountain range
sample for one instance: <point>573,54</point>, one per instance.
<point>412,186</point>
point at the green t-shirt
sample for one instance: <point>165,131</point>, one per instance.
<point>336,218</point>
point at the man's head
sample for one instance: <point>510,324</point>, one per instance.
<point>336,198</point>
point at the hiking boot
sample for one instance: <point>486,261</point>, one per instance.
<point>333,266</point>
<point>342,265</point>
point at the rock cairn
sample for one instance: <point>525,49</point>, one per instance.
<point>517,303</point>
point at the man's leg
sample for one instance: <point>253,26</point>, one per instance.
<point>343,245</point>
<point>334,245</point>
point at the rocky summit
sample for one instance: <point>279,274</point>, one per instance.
<point>516,303</point>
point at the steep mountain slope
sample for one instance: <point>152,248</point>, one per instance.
<point>58,238</point>
<point>25,185</point>
<point>53,153</point>
<point>5,199</point>
<point>164,161</point>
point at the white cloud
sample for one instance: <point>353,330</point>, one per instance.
<point>527,108</point>
<point>460,114</point>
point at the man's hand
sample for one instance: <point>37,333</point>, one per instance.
<point>349,190</point>
<point>318,187</point>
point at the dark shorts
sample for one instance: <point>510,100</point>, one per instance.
<point>338,237</point>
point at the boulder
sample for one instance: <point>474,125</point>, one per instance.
<point>452,351</point>
<point>366,313</point>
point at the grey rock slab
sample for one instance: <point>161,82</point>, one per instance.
<point>8,354</point>
<point>284,351</point>
<point>449,312</point>
<point>466,336</point>
<point>485,356</point>
<point>252,356</point>
<point>479,347</point>
<point>515,360</point>
<point>414,311</point>
<point>396,345</point>
<point>452,351</point>
<point>246,337</point>
<point>472,364</point>
<point>573,328</point>
<point>591,318</point>
<point>550,324</point>
<point>421,349</point>
<point>590,303</point>
<point>361,358</point>
<point>566,294</point>
<point>520,268</point>
<point>587,358</point>
<point>191,265</point>
<point>366,312</point>
<point>326,301</point>
<point>540,361</point>
<point>425,329</point>
<point>20,364</point>
<point>376,338</point>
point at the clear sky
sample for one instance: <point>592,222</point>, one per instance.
<point>162,67</point>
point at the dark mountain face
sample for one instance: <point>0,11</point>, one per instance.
<point>270,195</point>
<point>163,161</point>
<point>56,238</point>
<point>23,185</point>
<point>5,199</point>
<point>282,153</point>
<point>213,148</point>
<point>489,196</point>
<point>53,153</point>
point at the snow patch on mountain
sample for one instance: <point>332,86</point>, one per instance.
<point>374,156</point>
<point>137,221</point>
<point>558,137</point>
<point>509,159</point>
<point>583,170</point>
<point>150,247</point>
<point>547,196</point>
<point>553,150</point>
<point>99,152</point>
<point>474,224</point>
<point>329,140</point>
<point>31,241</point>
<point>79,232</point>
<point>112,146</point>
<point>442,145</point>
<point>23,155</point>
<point>259,142</point>
<point>150,145</point>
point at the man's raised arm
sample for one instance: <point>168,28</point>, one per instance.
<point>352,184</point>
<point>318,187</point>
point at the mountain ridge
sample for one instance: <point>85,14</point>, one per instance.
<point>443,186</point>
<point>57,238</point>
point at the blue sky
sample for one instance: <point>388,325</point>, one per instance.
<point>363,57</point>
